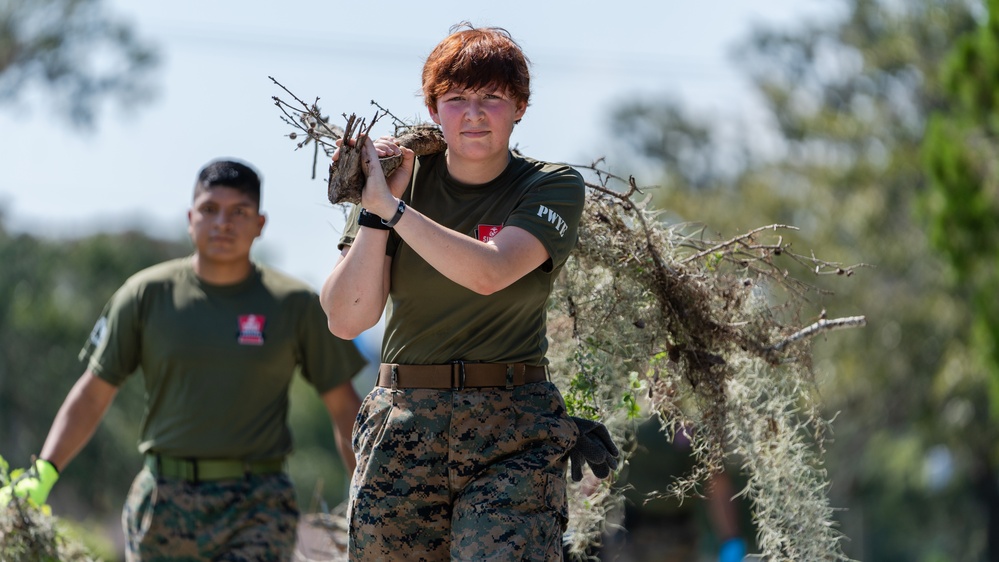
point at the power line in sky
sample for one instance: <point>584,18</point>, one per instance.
<point>401,52</point>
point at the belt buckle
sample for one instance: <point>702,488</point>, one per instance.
<point>458,375</point>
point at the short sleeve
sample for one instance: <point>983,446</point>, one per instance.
<point>551,211</point>
<point>349,229</point>
<point>113,349</point>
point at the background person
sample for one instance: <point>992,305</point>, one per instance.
<point>218,339</point>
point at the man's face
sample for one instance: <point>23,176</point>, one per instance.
<point>223,223</point>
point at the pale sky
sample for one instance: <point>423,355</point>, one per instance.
<point>215,100</point>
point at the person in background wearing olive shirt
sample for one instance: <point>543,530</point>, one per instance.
<point>218,339</point>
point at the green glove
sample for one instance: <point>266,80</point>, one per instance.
<point>33,483</point>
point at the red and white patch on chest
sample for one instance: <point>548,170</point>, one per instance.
<point>251,329</point>
<point>486,232</point>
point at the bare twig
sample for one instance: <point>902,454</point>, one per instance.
<point>823,325</point>
<point>309,119</point>
<point>741,239</point>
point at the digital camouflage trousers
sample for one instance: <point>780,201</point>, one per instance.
<point>455,475</point>
<point>253,518</point>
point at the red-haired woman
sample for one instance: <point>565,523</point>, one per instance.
<point>461,447</point>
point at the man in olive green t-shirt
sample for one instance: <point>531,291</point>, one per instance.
<point>218,339</point>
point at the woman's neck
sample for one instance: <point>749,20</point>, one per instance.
<point>477,172</point>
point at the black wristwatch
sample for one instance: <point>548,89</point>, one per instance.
<point>371,220</point>
<point>398,215</point>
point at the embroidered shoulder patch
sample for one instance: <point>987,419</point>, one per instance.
<point>99,332</point>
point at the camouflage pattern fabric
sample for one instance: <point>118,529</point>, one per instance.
<point>253,518</point>
<point>476,474</point>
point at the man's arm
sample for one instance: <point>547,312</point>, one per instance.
<point>74,425</point>
<point>78,417</point>
<point>342,402</point>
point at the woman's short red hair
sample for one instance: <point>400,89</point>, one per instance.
<point>476,58</point>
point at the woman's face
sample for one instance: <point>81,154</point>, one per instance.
<point>477,124</point>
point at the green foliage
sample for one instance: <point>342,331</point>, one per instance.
<point>75,51</point>
<point>315,466</point>
<point>583,394</point>
<point>971,73</point>
<point>960,209</point>
<point>962,205</point>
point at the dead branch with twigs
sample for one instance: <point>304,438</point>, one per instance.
<point>346,177</point>
<point>652,318</point>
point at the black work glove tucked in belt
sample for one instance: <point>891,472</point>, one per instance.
<point>595,447</point>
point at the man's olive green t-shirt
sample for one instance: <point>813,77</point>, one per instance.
<point>431,319</point>
<point>217,361</point>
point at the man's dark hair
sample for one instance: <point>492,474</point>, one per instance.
<point>229,173</point>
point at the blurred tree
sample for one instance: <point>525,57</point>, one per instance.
<point>74,50</point>
<point>51,293</point>
<point>846,102</point>
<point>962,209</point>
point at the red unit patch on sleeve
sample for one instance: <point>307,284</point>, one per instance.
<point>486,232</point>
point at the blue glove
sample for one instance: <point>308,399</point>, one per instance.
<point>33,483</point>
<point>732,550</point>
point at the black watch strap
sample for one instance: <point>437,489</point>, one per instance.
<point>398,215</point>
<point>371,220</point>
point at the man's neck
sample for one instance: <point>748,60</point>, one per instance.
<point>224,273</point>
